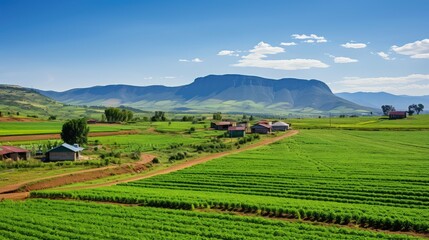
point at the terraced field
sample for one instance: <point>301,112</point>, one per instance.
<point>373,179</point>
<point>49,219</point>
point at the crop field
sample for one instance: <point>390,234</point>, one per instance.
<point>376,179</point>
<point>416,122</point>
<point>48,127</point>
<point>50,219</point>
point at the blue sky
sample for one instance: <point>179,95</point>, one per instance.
<point>350,45</point>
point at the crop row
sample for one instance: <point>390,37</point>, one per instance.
<point>381,217</point>
<point>49,219</point>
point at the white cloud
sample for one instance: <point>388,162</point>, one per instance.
<point>344,60</point>
<point>257,56</point>
<point>288,44</point>
<point>309,38</point>
<point>354,45</point>
<point>228,53</point>
<point>195,60</point>
<point>417,49</point>
<point>148,78</point>
<point>384,55</point>
<point>413,84</point>
<point>169,77</point>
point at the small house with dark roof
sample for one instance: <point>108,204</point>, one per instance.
<point>224,125</point>
<point>397,115</point>
<point>64,152</point>
<point>14,153</point>
<point>261,128</point>
<point>234,132</point>
<point>280,126</point>
<point>91,121</point>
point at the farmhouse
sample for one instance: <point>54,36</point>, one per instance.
<point>91,121</point>
<point>222,125</point>
<point>261,128</point>
<point>280,126</point>
<point>14,153</point>
<point>397,115</point>
<point>234,132</point>
<point>64,152</point>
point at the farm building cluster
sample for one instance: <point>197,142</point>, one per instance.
<point>64,152</point>
<point>241,128</point>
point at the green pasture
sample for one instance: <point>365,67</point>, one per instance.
<point>416,122</point>
<point>50,127</point>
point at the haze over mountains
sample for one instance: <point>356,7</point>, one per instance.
<point>377,99</point>
<point>226,93</point>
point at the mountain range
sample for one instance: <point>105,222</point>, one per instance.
<point>225,93</point>
<point>377,99</point>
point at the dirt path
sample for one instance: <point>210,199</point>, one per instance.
<point>12,191</point>
<point>191,163</point>
<point>57,136</point>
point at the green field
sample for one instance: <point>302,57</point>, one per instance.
<point>48,127</point>
<point>377,179</point>
<point>42,219</point>
<point>376,123</point>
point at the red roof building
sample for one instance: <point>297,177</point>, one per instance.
<point>14,153</point>
<point>397,115</point>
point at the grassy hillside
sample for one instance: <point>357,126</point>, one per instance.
<point>18,103</point>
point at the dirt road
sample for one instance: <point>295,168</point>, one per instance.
<point>86,175</point>
<point>14,190</point>
<point>192,162</point>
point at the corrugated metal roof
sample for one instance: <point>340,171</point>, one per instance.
<point>11,149</point>
<point>263,125</point>
<point>280,124</point>
<point>68,146</point>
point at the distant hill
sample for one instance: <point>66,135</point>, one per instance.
<point>16,101</point>
<point>225,93</point>
<point>377,99</point>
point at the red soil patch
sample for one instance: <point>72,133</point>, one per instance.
<point>14,191</point>
<point>18,119</point>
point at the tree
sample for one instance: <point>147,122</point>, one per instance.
<point>387,109</point>
<point>1,114</point>
<point>118,115</point>
<point>419,108</point>
<point>75,131</point>
<point>251,118</point>
<point>412,109</point>
<point>103,118</point>
<point>217,116</point>
<point>159,116</point>
<point>244,117</point>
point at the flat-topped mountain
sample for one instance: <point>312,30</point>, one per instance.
<point>226,93</point>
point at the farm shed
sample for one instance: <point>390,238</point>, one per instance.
<point>280,126</point>
<point>261,128</point>
<point>222,125</point>
<point>14,153</point>
<point>64,152</point>
<point>398,115</point>
<point>91,121</point>
<point>234,132</point>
